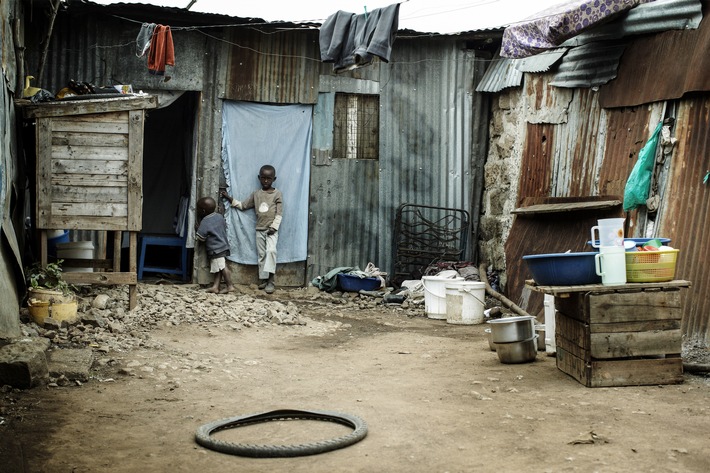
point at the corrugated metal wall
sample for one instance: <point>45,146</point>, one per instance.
<point>433,126</point>
<point>432,123</point>
<point>686,211</point>
<point>279,67</point>
<point>592,151</point>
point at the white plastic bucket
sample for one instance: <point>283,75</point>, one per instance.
<point>76,250</point>
<point>465,302</point>
<point>435,295</point>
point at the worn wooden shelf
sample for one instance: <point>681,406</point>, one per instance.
<point>628,287</point>
<point>566,207</point>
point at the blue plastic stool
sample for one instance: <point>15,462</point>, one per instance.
<point>163,240</point>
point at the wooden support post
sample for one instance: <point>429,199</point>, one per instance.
<point>117,241</point>
<point>132,268</point>
<point>43,248</point>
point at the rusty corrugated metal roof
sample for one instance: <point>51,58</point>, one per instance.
<point>661,67</point>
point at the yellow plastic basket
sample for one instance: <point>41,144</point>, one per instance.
<point>650,266</point>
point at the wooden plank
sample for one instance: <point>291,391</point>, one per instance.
<point>642,326</point>
<point>132,265</point>
<point>95,180</point>
<point>566,207</point>
<point>630,344</point>
<point>573,307</point>
<point>44,171</point>
<point>636,372</point>
<point>108,117</point>
<point>88,166</point>
<point>573,330</point>
<point>104,279</point>
<point>572,347</point>
<point>117,241</point>
<point>618,373</point>
<point>85,223</point>
<point>96,263</point>
<point>135,171</point>
<point>572,365</point>
<point>106,153</point>
<point>636,306</point>
<point>100,105</point>
<point>633,286</point>
<point>43,249</point>
<point>94,124</point>
<point>62,138</point>
<point>108,194</point>
<point>98,209</point>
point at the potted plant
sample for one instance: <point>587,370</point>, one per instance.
<point>49,295</point>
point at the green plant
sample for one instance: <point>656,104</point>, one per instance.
<point>48,277</point>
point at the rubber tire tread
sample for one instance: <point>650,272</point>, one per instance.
<point>204,438</point>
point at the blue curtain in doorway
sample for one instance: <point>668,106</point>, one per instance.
<point>257,134</point>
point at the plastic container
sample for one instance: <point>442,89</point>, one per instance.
<point>435,295</point>
<point>611,232</point>
<point>651,266</point>
<point>55,237</point>
<point>610,264</point>
<point>563,269</point>
<point>351,283</point>
<point>465,302</point>
<point>76,250</point>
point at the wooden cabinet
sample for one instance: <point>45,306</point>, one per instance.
<point>89,173</point>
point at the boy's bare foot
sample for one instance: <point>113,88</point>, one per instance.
<point>228,289</point>
<point>263,283</point>
<point>212,290</point>
<point>269,288</point>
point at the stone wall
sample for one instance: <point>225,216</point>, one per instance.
<point>502,172</point>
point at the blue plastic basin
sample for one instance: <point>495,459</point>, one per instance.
<point>563,269</point>
<point>351,283</point>
<point>637,241</point>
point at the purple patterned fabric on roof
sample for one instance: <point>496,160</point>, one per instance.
<point>552,27</point>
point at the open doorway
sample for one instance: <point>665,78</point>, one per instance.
<point>168,153</point>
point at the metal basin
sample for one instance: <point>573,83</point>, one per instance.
<point>512,329</point>
<point>517,352</point>
<point>491,345</point>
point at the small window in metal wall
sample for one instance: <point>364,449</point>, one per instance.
<point>356,127</point>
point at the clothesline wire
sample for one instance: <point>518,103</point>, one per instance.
<point>321,20</point>
<point>291,56</point>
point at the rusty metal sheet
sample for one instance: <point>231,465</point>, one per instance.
<point>661,67</point>
<point>547,233</point>
<point>685,215</point>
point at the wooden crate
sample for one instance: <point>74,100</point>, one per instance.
<point>620,338</point>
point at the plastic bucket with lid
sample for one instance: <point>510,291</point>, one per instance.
<point>465,302</point>
<point>435,294</point>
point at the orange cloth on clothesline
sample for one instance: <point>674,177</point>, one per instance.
<point>162,51</point>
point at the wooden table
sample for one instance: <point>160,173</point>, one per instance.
<point>622,335</point>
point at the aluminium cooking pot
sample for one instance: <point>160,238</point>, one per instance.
<point>524,351</point>
<point>512,329</point>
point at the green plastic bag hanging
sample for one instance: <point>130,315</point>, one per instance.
<point>639,181</point>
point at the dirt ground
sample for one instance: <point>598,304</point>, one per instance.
<point>433,395</point>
